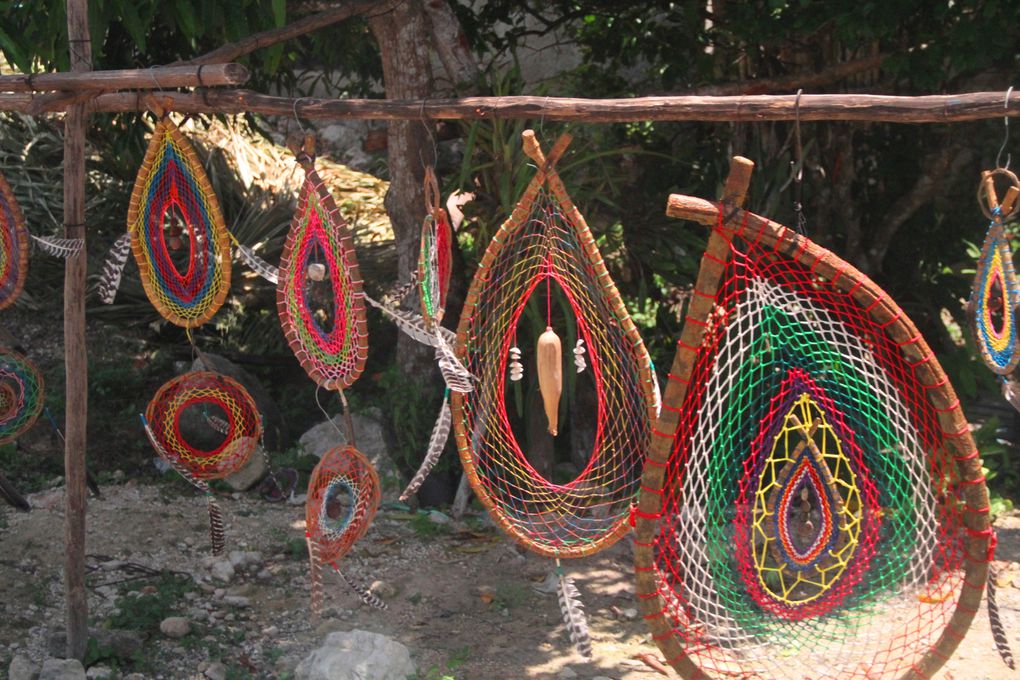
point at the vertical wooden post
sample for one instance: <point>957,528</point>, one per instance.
<point>75,354</point>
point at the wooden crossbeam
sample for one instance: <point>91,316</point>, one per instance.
<point>163,77</point>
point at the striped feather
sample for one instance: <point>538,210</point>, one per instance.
<point>59,247</point>
<point>995,621</point>
<point>414,325</point>
<point>366,595</point>
<point>258,265</point>
<point>573,614</point>
<point>113,269</point>
<point>437,442</point>
<point>216,534</point>
<point>315,575</point>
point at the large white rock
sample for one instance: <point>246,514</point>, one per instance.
<point>370,440</point>
<point>22,668</point>
<point>62,669</point>
<point>357,655</point>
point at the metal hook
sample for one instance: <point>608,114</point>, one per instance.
<point>301,126</point>
<point>798,168</point>
<point>1005,123</point>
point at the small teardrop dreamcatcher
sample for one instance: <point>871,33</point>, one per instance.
<point>813,503</point>
<point>546,251</point>
<point>205,426</point>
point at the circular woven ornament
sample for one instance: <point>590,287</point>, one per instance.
<point>992,307</point>
<point>343,496</point>
<point>205,423</point>
<point>14,240</point>
<point>21,395</point>
<point>435,265</point>
<point>319,296</point>
<point>177,232</point>
<point>813,503</point>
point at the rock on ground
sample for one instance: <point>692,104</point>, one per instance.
<point>357,655</point>
<point>21,668</point>
<point>272,417</point>
<point>371,441</point>
<point>62,669</point>
<point>175,627</point>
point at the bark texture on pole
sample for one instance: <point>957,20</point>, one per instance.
<point>75,355</point>
<point>403,40</point>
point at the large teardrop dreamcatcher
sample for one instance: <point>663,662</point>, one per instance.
<point>813,503</point>
<point>546,251</point>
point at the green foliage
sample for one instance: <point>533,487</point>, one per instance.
<point>144,612</point>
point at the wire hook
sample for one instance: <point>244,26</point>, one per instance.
<point>1005,141</point>
<point>304,132</point>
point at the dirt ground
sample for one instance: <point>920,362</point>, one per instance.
<point>466,602</point>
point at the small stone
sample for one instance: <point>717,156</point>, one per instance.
<point>264,575</point>
<point>62,669</point>
<point>383,589</point>
<point>297,499</point>
<point>222,570</point>
<point>244,590</point>
<point>566,673</point>
<point>270,631</point>
<point>21,668</point>
<point>175,627</point>
<point>238,558</point>
<point>630,613</point>
<point>216,671</point>
<point>99,673</point>
<point>118,475</point>
<point>134,676</point>
<point>437,517</point>
<point>237,601</point>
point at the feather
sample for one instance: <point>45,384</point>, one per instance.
<point>414,325</point>
<point>216,536</point>
<point>218,424</point>
<point>573,614</point>
<point>998,630</point>
<point>315,575</point>
<point>1011,391</point>
<point>401,291</point>
<point>113,269</point>
<point>59,247</point>
<point>437,442</point>
<point>457,378</point>
<point>258,265</point>
<point>366,595</point>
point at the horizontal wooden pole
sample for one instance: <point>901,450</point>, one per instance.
<point>874,108</point>
<point>692,208</point>
<point>163,77</point>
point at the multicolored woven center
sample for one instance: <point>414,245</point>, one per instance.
<point>993,303</point>
<point>343,495</point>
<point>811,523</point>
<point>177,231</point>
<point>546,249</point>
<point>319,296</point>
<point>434,265</point>
<point>13,246</point>
<point>206,423</point>
<point>21,395</point>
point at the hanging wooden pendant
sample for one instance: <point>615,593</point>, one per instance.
<point>14,240</point>
<point>545,246</point>
<point>173,204</point>
<point>995,296</point>
<point>319,295</point>
<point>813,503</point>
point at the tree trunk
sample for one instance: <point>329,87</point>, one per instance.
<point>403,39</point>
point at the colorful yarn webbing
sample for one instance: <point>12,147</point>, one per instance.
<point>174,208</point>
<point>993,302</point>
<point>343,495</point>
<point>435,265</point>
<point>219,410</point>
<point>323,316</point>
<point>545,245</point>
<point>13,246</point>
<point>813,513</point>
<point>21,395</point>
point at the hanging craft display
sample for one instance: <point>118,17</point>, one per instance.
<point>435,257</point>
<point>995,297</point>
<point>205,426</point>
<point>813,503</point>
<point>177,233</point>
<point>21,395</point>
<point>13,246</point>
<point>343,496</point>
<point>546,250</point>
<point>319,295</point>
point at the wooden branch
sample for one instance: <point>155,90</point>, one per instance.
<point>874,108</point>
<point>293,30</point>
<point>163,77</point>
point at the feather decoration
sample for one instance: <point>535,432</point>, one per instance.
<point>573,614</point>
<point>414,325</point>
<point>113,268</point>
<point>366,595</point>
<point>315,574</point>
<point>457,378</point>
<point>216,533</point>
<point>1011,391</point>
<point>401,291</point>
<point>59,247</point>
<point>437,442</point>
<point>998,630</point>
<point>218,424</point>
<point>258,265</point>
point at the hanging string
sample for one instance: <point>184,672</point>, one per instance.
<point>1005,140</point>
<point>798,170</point>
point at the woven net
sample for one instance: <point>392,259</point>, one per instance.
<point>993,302</point>
<point>319,295</point>
<point>205,423</point>
<point>21,395</point>
<point>343,495</point>
<point>13,247</point>
<point>546,249</point>
<point>177,233</point>
<point>813,515</point>
<point>434,265</point>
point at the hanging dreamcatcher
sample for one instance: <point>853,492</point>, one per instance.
<point>175,230</point>
<point>343,496</point>
<point>21,395</point>
<point>813,503</point>
<point>545,251</point>
<point>205,426</point>
<point>13,248</point>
